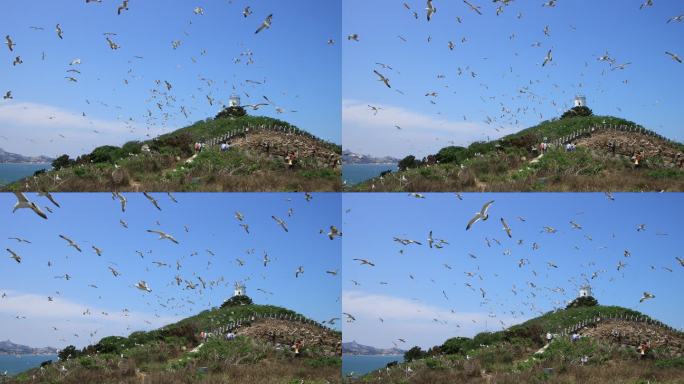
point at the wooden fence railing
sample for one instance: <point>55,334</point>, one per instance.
<point>586,132</point>
<point>624,317</point>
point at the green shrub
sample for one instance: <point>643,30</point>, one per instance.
<point>585,301</point>
<point>231,112</point>
<point>577,112</point>
<point>236,301</point>
<point>69,352</point>
<point>414,353</point>
<point>113,344</point>
<point>105,154</point>
<point>62,162</point>
<point>409,162</point>
<point>325,361</point>
<point>452,154</point>
<point>458,345</point>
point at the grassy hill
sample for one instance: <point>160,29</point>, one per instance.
<point>176,354</point>
<point>515,355</point>
<point>255,162</point>
<point>510,164</point>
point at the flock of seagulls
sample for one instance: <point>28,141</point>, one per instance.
<point>506,106</point>
<point>165,107</point>
<point>172,282</point>
<point>545,271</point>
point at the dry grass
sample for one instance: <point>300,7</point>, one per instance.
<point>577,172</point>
<point>627,372</point>
<point>237,171</point>
<point>265,372</point>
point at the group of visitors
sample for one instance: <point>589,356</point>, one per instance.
<point>199,147</point>
<point>225,147</point>
<point>570,147</point>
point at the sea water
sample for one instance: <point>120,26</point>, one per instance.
<point>357,173</point>
<point>11,172</point>
<point>14,364</point>
<point>361,365</point>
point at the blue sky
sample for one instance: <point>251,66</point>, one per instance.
<point>93,219</point>
<point>297,67</point>
<point>408,306</point>
<point>499,51</point>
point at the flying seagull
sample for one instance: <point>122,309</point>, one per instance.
<point>646,296</point>
<point>71,242</point>
<point>280,222</point>
<point>152,200</point>
<point>547,59</point>
<point>10,43</point>
<point>473,7</point>
<point>265,24</point>
<point>334,232</point>
<point>430,10</point>
<point>23,202</point>
<point>674,56</point>
<point>506,227</point>
<point>365,262</point>
<point>382,78</point>
<point>142,285</point>
<point>299,271</point>
<point>482,215</point>
<point>48,195</point>
<point>14,255</point>
<point>163,235</point>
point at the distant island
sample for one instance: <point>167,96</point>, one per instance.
<point>9,348</point>
<point>349,157</point>
<point>355,348</point>
<point>14,158</point>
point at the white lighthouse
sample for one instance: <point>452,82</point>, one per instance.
<point>585,291</point>
<point>580,101</point>
<point>234,101</point>
<point>240,289</point>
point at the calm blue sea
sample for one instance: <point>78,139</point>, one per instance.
<point>356,173</point>
<point>14,364</point>
<point>10,172</point>
<point>361,365</point>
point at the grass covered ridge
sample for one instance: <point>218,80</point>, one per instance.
<point>509,356</point>
<point>166,356</point>
<point>170,166</point>
<point>506,165</point>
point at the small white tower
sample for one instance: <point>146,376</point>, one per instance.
<point>585,291</point>
<point>580,101</point>
<point>240,289</point>
<point>234,101</point>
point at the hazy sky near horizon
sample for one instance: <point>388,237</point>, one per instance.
<point>92,219</point>
<point>117,90</point>
<point>421,293</point>
<point>493,83</point>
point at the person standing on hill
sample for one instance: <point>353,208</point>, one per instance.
<point>297,348</point>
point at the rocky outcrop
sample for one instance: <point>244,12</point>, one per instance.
<point>629,143</point>
<point>277,144</point>
<point>285,333</point>
<point>632,334</point>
